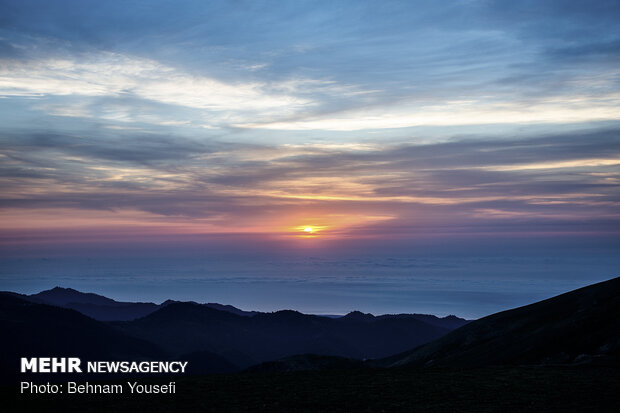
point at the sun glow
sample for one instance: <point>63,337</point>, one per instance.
<point>308,231</point>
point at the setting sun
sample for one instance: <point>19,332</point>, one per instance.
<point>307,231</point>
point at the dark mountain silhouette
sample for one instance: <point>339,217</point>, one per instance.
<point>32,329</point>
<point>559,354</point>
<point>188,327</point>
<point>62,296</point>
<point>359,316</point>
<point>450,322</point>
<point>216,306</point>
<point>93,305</point>
<point>576,327</point>
<point>106,309</point>
<point>214,337</point>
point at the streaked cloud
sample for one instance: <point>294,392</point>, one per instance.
<point>114,75</point>
<point>550,110</point>
<point>359,119</point>
<point>186,186</point>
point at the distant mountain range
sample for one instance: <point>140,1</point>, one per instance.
<point>106,309</point>
<point>186,327</point>
<point>581,326</point>
<point>213,337</point>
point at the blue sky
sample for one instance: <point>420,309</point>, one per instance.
<point>128,126</point>
<point>247,69</point>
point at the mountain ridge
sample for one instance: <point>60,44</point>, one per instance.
<point>575,327</point>
<point>103,308</point>
<point>190,327</point>
<point>222,338</point>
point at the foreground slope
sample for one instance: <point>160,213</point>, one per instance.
<point>577,327</point>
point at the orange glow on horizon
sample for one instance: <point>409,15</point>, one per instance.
<point>317,226</point>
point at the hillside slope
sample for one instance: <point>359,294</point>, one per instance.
<point>576,327</point>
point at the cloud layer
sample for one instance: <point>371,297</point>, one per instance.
<point>361,119</point>
<point>565,183</point>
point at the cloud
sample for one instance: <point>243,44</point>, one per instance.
<point>339,67</point>
<point>466,185</point>
<point>549,110</point>
<point>147,110</point>
<point>109,74</point>
<point>118,88</point>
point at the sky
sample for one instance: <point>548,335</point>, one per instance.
<point>145,127</point>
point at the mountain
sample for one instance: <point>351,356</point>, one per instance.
<point>106,309</point>
<point>215,337</point>
<point>450,322</point>
<point>559,354</point>
<point>188,327</point>
<point>216,306</point>
<point>32,329</point>
<point>93,305</point>
<point>62,296</point>
<point>576,327</point>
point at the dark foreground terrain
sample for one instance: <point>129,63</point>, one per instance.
<point>214,338</point>
<point>558,355</point>
<point>490,389</point>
